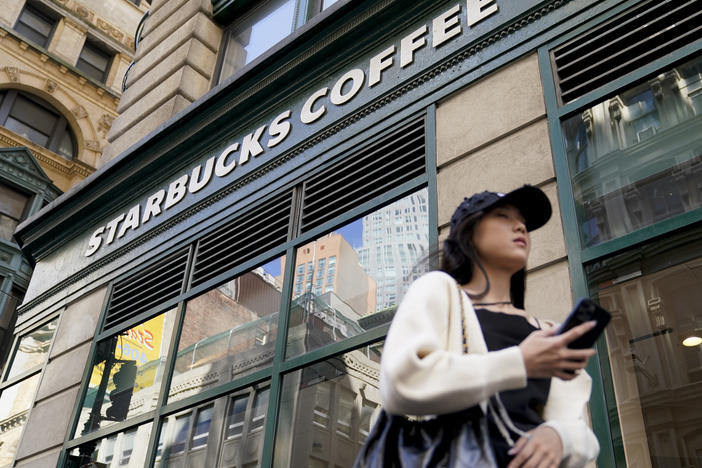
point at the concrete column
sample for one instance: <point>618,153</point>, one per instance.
<point>68,40</point>
<point>173,67</point>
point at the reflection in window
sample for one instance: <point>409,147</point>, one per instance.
<point>228,332</point>
<point>342,390</point>
<point>32,349</point>
<point>123,449</point>
<point>636,158</point>
<point>356,275</point>
<point>229,430</point>
<point>14,407</point>
<point>262,29</point>
<point>654,296</point>
<point>126,374</point>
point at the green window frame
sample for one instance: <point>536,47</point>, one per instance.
<point>605,421</point>
<point>271,376</point>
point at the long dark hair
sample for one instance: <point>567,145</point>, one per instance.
<point>459,259</point>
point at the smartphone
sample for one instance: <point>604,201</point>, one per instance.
<point>584,311</point>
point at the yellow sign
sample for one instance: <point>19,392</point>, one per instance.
<point>141,344</point>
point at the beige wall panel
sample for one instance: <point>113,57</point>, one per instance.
<point>185,82</point>
<point>497,104</point>
<point>69,42</point>
<point>47,424</point>
<point>521,158</point>
<point>47,459</point>
<point>85,311</point>
<point>9,11</point>
<point>548,242</point>
<point>63,372</point>
<point>548,292</point>
<point>192,53</point>
<point>156,118</point>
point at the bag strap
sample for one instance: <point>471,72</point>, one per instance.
<point>501,417</point>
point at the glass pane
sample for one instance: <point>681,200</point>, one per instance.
<point>636,158</point>
<point>32,349</point>
<point>352,279</point>
<point>34,26</point>
<point>228,332</point>
<point>7,227</point>
<point>27,112</point>
<point>327,3</point>
<point>125,449</point>
<point>14,406</point>
<point>126,374</point>
<point>65,147</point>
<point>12,202</point>
<point>230,430</point>
<point>653,343</point>
<point>326,410</point>
<point>264,28</point>
<point>26,131</point>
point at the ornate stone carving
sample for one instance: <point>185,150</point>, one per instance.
<point>50,86</point>
<point>615,110</point>
<point>105,123</point>
<point>85,13</point>
<point>12,73</point>
<point>109,29</point>
<point>92,145</point>
<point>80,112</point>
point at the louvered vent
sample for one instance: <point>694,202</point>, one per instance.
<point>154,285</point>
<point>252,233</point>
<point>636,37</point>
<point>388,162</point>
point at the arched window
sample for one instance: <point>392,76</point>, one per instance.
<point>38,121</point>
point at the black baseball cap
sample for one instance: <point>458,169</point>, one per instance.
<point>531,202</point>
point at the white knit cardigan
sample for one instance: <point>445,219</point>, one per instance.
<point>425,372</point>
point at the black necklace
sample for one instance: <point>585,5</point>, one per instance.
<point>492,303</point>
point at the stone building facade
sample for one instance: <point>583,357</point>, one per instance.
<point>249,131</point>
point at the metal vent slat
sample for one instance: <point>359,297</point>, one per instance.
<point>154,285</point>
<point>361,173</point>
<point>243,238</point>
<point>380,166</point>
<point>644,33</point>
<point>244,227</point>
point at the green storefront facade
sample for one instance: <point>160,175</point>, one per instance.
<point>218,294</point>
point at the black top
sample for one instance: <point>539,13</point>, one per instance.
<point>523,405</point>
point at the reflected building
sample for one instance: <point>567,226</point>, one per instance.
<point>636,158</point>
<point>395,239</point>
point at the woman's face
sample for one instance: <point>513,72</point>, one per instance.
<point>501,239</point>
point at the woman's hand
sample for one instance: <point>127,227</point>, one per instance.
<point>547,354</point>
<point>542,449</point>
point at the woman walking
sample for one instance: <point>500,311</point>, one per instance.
<point>461,339</point>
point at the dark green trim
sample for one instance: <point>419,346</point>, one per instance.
<point>431,171</point>
<point>112,429</point>
<point>335,349</point>
<point>280,347</point>
<point>642,235</point>
<point>598,407</point>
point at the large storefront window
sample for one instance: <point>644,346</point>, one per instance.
<point>327,410</point>
<point>125,449</point>
<point>127,371</point>
<point>227,432</point>
<point>636,159</point>
<point>228,332</point>
<point>350,280</point>
<point>13,205</point>
<point>654,348</point>
<point>20,385</point>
